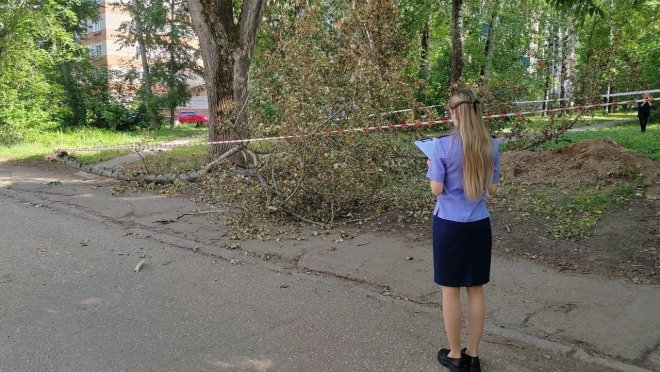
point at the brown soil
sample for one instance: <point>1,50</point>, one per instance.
<point>625,241</point>
<point>584,161</point>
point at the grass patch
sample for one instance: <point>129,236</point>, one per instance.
<point>176,160</point>
<point>627,135</point>
<point>536,122</point>
<point>46,143</point>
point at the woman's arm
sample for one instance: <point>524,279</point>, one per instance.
<point>437,187</point>
<point>492,189</point>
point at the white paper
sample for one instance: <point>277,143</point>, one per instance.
<point>427,146</point>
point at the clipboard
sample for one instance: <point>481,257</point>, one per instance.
<point>427,146</point>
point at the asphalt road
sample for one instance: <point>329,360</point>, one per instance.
<point>71,301</point>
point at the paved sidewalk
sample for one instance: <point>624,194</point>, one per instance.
<point>71,301</point>
<point>611,323</point>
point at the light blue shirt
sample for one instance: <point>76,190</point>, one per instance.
<point>447,167</point>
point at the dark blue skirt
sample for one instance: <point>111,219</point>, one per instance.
<point>461,252</point>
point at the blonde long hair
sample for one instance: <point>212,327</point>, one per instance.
<point>478,161</point>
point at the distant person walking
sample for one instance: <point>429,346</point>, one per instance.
<point>464,168</point>
<point>644,111</point>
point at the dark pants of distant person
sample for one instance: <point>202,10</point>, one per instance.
<point>642,122</point>
<point>643,113</point>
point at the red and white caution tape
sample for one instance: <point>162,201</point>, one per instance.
<point>583,107</point>
<point>602,95</point>
<point>417,124</point>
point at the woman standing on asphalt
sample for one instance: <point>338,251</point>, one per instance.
<point>463,169</point>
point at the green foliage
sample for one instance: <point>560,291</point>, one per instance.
<point>24,60</point>
<point>37,44</point>
<point>89,99</point>
<point>353,68</point>
<point>167,32</point>
<point>581,7</point>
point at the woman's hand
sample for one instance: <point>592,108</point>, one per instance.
<point>428,162</point>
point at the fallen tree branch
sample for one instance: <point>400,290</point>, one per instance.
<point>551,135</point>
<point>139,265</point>
<point>202,212</point>
<point>65,158</point>
<point>292,214</point>
<point>144,161</point>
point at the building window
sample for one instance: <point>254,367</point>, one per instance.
<point>97,51</point>
<point>96,26</point>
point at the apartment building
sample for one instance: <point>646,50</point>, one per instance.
<point>103,39</point>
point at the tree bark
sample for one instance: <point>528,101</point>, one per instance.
<point>146,78</point>
<point>171,76</point>
<point>488,51</point>
<point>425,68</point>
<point>457,57</point>
<point>227,50</point>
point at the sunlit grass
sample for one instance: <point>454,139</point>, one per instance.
<point>627,135</point>
<point>69,140</point>
<point>537,122</point>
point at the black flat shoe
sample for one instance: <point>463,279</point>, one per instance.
<point>454,364</point>
<point>471,363</point>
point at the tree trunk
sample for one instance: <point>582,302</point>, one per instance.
<point>610,83</point>
<point>488,51</point>
<point>425,68</point>
<point>146,79</point>
<point>171,73</point>
<point>551,55</point>
<point>457,57</point>
<point>227,50</point>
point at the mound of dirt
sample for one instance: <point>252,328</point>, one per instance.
<point>586,160</point>
<point>625,242</point>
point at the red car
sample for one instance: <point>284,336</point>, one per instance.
<point>193,117</point>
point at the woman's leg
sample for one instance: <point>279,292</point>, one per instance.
<point>476,318</point>
<point>451,312</point>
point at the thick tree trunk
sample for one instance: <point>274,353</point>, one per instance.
<point>488,51</point>
<point>227,50</point>
<point>457,57</point>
